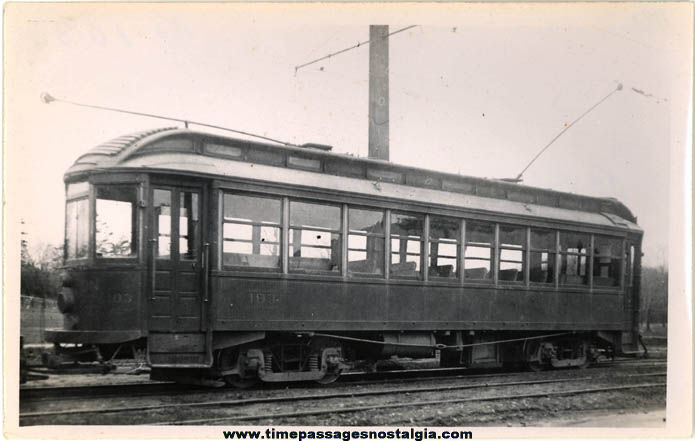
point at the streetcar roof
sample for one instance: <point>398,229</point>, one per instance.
<point>183,150</point>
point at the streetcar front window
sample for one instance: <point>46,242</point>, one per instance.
<point>76,228</point>
<point>116,220</point>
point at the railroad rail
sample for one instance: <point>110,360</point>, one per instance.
<point>386,392</point>
<point>63,393</point>
<point>27,417</point>
<point>342,410</point>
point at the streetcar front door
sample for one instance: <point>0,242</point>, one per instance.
<point>176,334</point>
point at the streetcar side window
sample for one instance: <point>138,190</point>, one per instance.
<point>512,253</point>
<point>444,242</point>
<point>480,245</point>
<point>251,231</point>
<point>607,261</point>
<point>365,241</point>
<point>574,258</point>
<point>543,255</point>
<point>76,228</point>
<point>407,243</point>
<point>116,220</point>
<point>315,238</point>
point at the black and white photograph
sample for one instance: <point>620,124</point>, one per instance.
<point>348,221</point>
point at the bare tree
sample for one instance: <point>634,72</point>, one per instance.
<point>40,270</point>
<point>654,296</point>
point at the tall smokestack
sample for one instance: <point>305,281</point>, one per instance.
<point>379,92</point>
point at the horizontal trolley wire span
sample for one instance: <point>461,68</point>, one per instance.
<point>360,44</point>
<point>265,400</point>
<point>415,403</point>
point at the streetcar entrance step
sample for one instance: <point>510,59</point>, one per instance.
<point>178,350</point>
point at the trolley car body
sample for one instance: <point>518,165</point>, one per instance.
<point>230,258</point>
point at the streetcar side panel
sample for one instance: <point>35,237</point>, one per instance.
<point>294,305</point>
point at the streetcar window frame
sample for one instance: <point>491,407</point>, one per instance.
<point>135,220</point>
<point>629,264</point>
<point>547,254</point>
<point>299,264</point>
<point>75,200</point>
<point>552,253</point>
<point>573,256</point>
<point>374,242</point>
<point>162,228</point>
<point>439,238</point>
<point>473,226</point>
<point>507,247</point>
<point>405,250</point>
<point>616,258</point>
<point>256,233</point>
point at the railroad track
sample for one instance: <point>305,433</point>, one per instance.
<point>28,418</point>
<point>332,410</point>
<point>153,388</point>
<point>353,409</point>
<point>141,389</point>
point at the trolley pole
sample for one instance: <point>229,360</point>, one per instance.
<point>379,92</point>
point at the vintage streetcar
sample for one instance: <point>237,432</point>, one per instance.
<point>226,260</point>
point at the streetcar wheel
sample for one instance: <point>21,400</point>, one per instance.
<point>240,383</point>
<point>329,378</point>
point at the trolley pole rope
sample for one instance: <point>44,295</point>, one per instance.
<point>48,98</point>
<point>518,178</point>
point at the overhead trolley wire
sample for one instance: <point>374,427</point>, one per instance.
<point>362,43</point>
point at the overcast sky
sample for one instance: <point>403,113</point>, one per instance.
<point>476,89</point>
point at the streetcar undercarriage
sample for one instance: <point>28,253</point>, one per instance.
<point>289,357</point>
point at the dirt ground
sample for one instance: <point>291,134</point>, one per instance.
<point>645,418</point>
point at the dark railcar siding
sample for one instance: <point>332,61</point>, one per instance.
<point>246,303</point>
<point>108,299</point>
